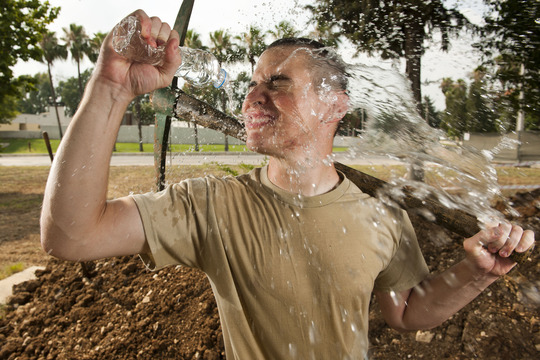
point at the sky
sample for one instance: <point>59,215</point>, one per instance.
<point>235,16</point>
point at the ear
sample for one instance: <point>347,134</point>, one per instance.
<point>340,106</point>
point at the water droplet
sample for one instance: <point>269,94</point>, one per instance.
<point>293,352</point>
<point>395,298</point>
<point>312,333</point>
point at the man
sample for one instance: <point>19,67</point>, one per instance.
<point>294,250</point>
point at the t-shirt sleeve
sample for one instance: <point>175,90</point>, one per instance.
<point>407,268</point>
<point>175,224</point>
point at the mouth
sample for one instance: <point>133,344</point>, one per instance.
<point>257,120</point>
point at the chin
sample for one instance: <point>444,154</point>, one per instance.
<point>255,147</point>
<point>261,148</point>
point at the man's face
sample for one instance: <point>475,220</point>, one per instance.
<point>283,111</point>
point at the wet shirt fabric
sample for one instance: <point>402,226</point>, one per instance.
<point>292,275</point>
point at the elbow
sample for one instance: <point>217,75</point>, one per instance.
<point>52,240</point>
<point>414,323</point>
<point>58,243</point>
<point>401,326</point>
<point>406,328</point>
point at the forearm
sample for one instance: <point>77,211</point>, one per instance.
<point>76,191</point>
<point>438,298</point>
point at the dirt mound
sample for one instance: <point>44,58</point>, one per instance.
<point>120,311</point>
<point>116,309</point>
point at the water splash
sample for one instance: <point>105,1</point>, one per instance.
<point>457,176</point>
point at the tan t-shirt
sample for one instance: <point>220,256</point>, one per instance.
<point>292,275</point>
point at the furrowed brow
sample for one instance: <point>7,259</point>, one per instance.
<point>279,77</point>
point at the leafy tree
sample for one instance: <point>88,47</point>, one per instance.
<point>454,119</point>
<point>69,91</point>
<point>144,114</point>
<point>36,100</point>
<point>507,98</point>
<point>78,44</point>
<point>283,30</point>
<point>22,23</point>
<point>430,113</point>
<point>479,105</point>
<point>147,112</point>
<point>324,34</point>
<point>469,108</point>
<point>52,51</point>
<point>394,28</point>
<point>510,40</point>
<point>353,123</point>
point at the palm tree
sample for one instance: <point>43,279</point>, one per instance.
<point>226,52</point>
<point>95,45</point>
<point>52,51</point>
<point>283,30</point>
<point>78,43</point>
<point>193,40</point>
<point>252,45</point>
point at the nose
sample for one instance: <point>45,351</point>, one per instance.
<point>257,95</point>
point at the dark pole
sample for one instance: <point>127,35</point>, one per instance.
<point>48,145</point>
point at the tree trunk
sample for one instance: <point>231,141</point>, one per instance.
<point>54,101</point>
<point>224,109</point>
<point>196,133</point>
<point>414,37</point>
<point>139,122</point>
<point>80,80</point>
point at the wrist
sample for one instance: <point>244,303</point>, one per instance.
<point>102,87</point>
<point>479,274</point>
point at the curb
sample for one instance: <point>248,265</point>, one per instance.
<point>6,285</point>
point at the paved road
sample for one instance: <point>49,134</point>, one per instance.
<point>185,159</point>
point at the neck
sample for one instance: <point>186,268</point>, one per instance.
<point>307,176</point>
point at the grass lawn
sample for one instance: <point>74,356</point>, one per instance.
<point>37,146</point>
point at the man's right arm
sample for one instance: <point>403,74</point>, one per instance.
<point>77,221</point>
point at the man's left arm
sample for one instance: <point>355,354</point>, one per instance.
<point>437,298</point>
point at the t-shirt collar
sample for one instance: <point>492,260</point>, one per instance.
<point>300,200</point>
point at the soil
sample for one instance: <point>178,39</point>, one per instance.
<point>116,309</point>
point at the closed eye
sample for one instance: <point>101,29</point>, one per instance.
<point>276,80</point>
<point>273,82</point>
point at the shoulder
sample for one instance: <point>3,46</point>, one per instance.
<point>226,184</point>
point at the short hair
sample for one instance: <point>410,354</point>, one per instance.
<point>325,58</point>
